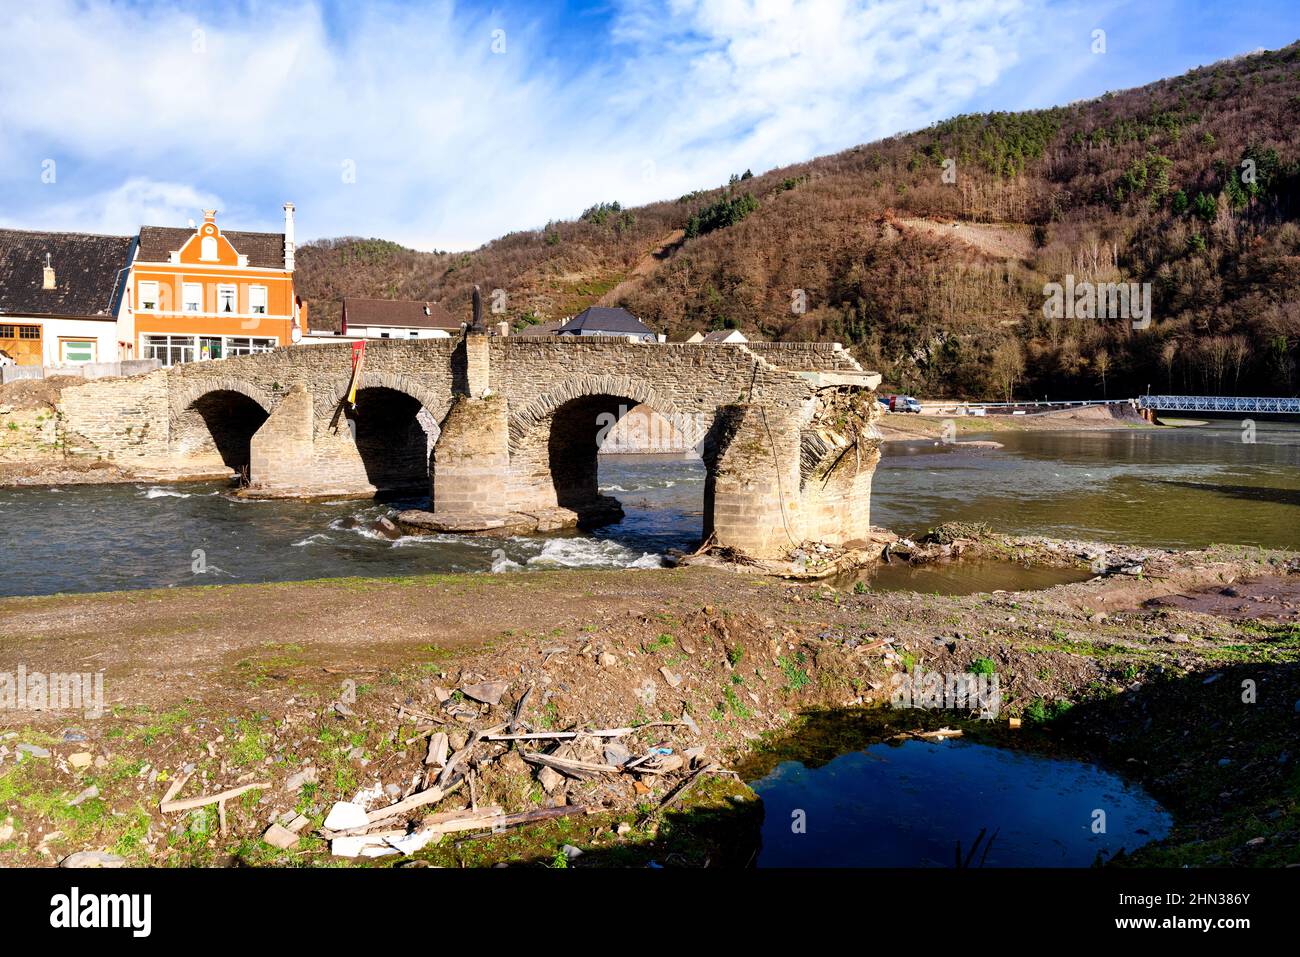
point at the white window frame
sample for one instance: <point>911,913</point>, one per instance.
<point>208,249</point>
<point>145,297</point>
<point>186,301</point>
<point>249,345</point>
<point>234,292</point>
<point>63,350</point>
<point>254,309</point>
<point>149,346</point>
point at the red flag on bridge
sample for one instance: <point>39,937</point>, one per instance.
<point>358,362</point>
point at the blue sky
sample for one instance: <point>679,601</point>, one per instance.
<point>442,124</point>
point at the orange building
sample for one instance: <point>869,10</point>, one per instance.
<point>208,293</point>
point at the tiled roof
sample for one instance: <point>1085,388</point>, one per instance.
<point>403,313</point>
<point>538,329</point>
<point>265,250</point>
<point>89,271</point>
<point>614,320</point>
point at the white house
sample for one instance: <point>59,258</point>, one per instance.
<point>396,319</point>
<point>719,335</point>
<point>62,296</point>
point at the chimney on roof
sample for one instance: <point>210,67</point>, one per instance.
<point>288,236</point>
<point>48,279</point>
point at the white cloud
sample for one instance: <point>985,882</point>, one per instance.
<point>452,143</point>
<point>123,210</point>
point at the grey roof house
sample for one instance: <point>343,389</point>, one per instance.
<point>607,321</point>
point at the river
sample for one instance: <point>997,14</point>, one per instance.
<point>1176,487</point>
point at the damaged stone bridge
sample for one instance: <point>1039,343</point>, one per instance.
<point>503,433</point>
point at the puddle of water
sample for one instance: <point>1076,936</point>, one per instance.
<point>909,804</point>
<point>965,577</point>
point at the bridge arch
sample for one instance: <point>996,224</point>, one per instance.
<point>215,419</point>
<point>185,393</point>
<point>392,429</point>
<point>554,439</point>
<point>435,401</point>
<point>636,391</point>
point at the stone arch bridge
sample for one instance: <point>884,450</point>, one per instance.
<point>503,432</point>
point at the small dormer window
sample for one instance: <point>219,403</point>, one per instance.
<point>208,250</point>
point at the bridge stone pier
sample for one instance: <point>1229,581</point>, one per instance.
<point>503,433</point>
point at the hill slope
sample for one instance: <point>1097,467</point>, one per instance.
<point>1191,184</point>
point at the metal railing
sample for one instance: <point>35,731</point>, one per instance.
<point>1161,403</point>
<point>1220,403</point>
<point>933,408</point>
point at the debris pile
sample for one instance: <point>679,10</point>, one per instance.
<point>373,825</point>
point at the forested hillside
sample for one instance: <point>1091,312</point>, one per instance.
<point>928,253</point>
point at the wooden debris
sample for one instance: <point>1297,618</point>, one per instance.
<point>427,796</point>
<point>449,768</point>
<point>559,735</point>
<point>437,755</point>
<point>676,793</point>
<point>170,806</point>
<point>402,711</point>
<point>517,717</point>
<point>938,735</point>
<point>451,821</point>
<point>569,766</point>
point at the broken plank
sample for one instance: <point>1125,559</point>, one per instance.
<point>573,768</point>
<point>559,735</point>
<point>171,807</point>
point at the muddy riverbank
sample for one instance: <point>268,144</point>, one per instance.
<point>712,666</point>
<point>903,427</point>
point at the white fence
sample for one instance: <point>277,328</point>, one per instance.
<point>86,370</point>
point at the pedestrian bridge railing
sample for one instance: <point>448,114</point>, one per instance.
<point>1220,403</point>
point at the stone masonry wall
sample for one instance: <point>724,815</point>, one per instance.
<point>471,459</point>
<point>120,420</point>
<point>282,451</point>
<point>806,356</point>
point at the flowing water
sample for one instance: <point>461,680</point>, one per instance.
<point>102,537</point>
<point>1185,487</point>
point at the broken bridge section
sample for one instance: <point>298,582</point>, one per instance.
<point>504,433</point>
